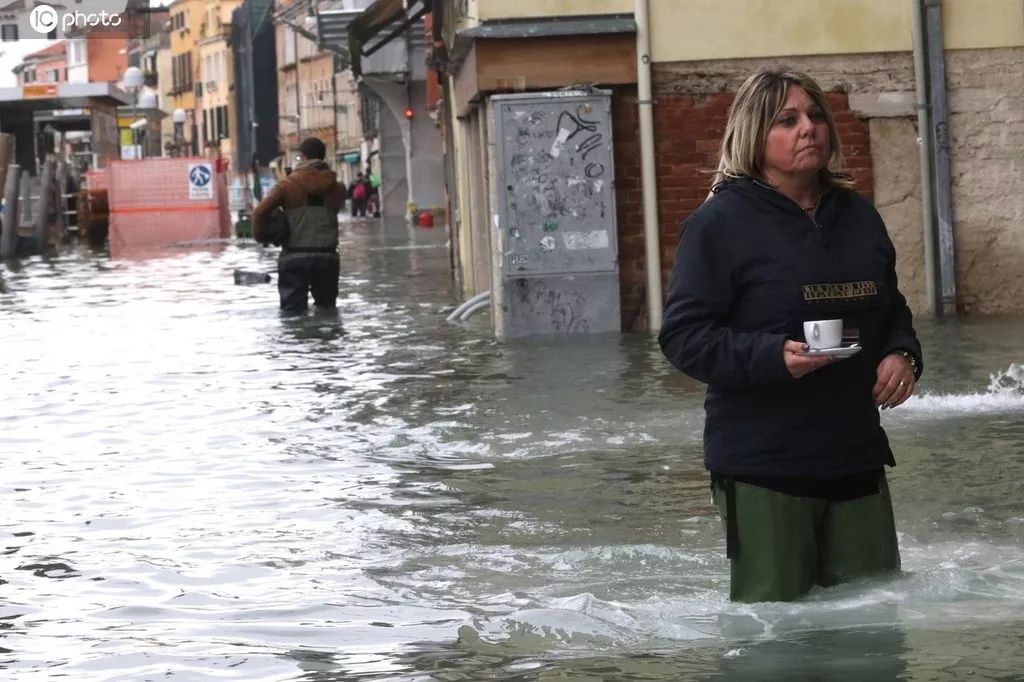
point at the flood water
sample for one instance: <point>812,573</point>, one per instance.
<point>195,488</point>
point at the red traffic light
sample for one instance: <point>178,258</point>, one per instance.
<point>408,112</point>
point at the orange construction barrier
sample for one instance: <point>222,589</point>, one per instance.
<point>156,202</point>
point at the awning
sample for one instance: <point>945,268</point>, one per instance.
<point>381,22</point>
<point>325,22</point>
<point>553,26</point>
<point>38,96</point>
<point>300,16</point>
<point>332,27</point>
<point>545,27</point>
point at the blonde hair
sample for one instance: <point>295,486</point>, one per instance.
<point>757,103</point>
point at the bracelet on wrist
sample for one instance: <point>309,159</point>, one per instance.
<point>911,359</point>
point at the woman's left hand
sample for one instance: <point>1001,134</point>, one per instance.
<point>895,382</point>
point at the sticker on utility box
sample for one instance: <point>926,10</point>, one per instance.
<point>579,241</point>
<point>200,181</point>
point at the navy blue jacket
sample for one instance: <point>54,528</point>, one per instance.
<point>750,268</point>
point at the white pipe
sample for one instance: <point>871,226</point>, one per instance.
<point>924,127</point>
<point>479,305</point>
<point>468,304</point>
<point>652,246</point>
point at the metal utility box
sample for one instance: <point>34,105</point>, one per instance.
<point>553,195</point>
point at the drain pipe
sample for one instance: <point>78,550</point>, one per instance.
<point>924,143</point>
<point>652,246</point>
<point>940,126</point>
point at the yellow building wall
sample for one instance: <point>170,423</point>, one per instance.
<point>220,11</point>
<point>185,40</point>
<point>465,235</point>
<point>216,91</point>
<point>685,30</point>
<point>518,9</point>
<point>164,80</point>
<point>983,23</point>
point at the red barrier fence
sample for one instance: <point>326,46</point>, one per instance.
<point>155,202</point>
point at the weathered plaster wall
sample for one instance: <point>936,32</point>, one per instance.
<point>897,183</point>
<point>987,138</point>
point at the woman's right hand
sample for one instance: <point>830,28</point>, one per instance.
<point>801,365</point>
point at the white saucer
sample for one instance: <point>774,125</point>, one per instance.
<point>844,351</point>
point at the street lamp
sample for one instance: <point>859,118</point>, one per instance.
<point>178,117</point>
<point>133,80</point>
<point>147,102</point>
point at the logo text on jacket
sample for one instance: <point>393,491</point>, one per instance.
<point>840,291</point>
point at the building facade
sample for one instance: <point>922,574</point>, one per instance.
<point>184,90</point>
<point>255,85</point>
<point>861,53</point>
<point>216,69</point>
<point>49,65</point>
<point>387,46</point>
<point>253,44</point>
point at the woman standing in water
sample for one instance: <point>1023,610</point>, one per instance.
<point>793,441</point>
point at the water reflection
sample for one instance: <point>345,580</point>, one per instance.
<point>195,485</point>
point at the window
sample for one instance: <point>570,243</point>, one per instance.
<point>181,72</point>
<point>289,46</point>
<point>76,52</point>
<point>9,32</point>
<point>53,75</point>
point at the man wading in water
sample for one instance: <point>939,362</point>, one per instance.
<point>311,198</point>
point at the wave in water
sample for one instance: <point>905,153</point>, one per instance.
<point>1005,393</point>
<point>949,585</point>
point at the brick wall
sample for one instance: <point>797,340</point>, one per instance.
<point>687,133</point>
<point>629,207</point>
<point>855,137</point>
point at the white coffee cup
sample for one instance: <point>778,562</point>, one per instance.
<point>823,333</point>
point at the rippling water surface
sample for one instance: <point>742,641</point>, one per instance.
<point>196,488</point>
